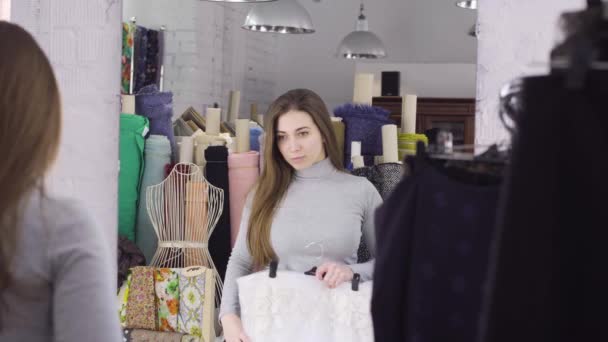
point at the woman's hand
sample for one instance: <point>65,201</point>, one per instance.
<point>333,274</point>
<point>233,329</point>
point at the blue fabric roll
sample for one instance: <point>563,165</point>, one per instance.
<point>158,108</point>
<point>254,134</point>
<point>157,154</point>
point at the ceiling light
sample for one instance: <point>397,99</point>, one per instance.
<point>361,43</point>
<point>467,4</point>
<point>283,16</point>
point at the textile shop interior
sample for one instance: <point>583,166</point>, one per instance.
<point>466,220</point>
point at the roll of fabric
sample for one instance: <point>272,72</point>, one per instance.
<point>217,175</point>
<point>128,32</point>
<point>196,220</point>
<point>140,55</point>
<point>133,128</point>
<point>197,302</point>
<point>407,143</point>
<point>166,285</point>
<point>363,123</point>
<point>254,134</point>
<point>123,297</point>
<point>243,172</point>
<point>181,128</point>
<point>190,338</point>
<point>157,154</point>
<point>140,335</point>
<point>158,108</point>
<point>339,131</point>
<point>141,309</point>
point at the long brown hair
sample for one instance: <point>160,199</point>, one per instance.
<point>277,174</point>
<point>30,123</point>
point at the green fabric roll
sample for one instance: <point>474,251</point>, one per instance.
<point>133,128</point>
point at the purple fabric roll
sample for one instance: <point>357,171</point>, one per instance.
<point>363,123</point>
<point>158,108</point>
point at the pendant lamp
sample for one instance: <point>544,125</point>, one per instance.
<point>282,16</point>
<point>361,43</point>
<point>467,4</point>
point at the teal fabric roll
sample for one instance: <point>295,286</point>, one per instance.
<point>157,154</point>
<point>133,128</point>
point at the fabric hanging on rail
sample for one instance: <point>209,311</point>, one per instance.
<point>157,154</point>
<point>548,281</point>
<point>217,174</point>
<point>243,172</point>
<point>153,58</point>
<point>299,308</point>
<point>141,308</point>
<point>435,233</point>
<point>158,108</point>
<point>139,56</point>
<point>133,128</point>
<point>166,285</point>
<point>128,32</point>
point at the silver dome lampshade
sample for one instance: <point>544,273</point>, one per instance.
<point>361,43</point>
<point>282,16</point>
<point>241,1</point>
<point>467,4</point>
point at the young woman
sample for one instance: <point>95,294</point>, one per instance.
<point>303,206</point>
<point>56,279</point>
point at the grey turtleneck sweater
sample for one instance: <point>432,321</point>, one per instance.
<point>321,218</point>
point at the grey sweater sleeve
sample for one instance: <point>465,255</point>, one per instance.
<point>84,283</point>
<point>239,264</point>
<point>372,201</point>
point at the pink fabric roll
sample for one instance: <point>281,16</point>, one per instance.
<point>243,172</point>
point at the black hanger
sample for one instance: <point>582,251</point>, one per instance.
<point>354,283</point>
<point>312,271</point>
<point>274,265</point>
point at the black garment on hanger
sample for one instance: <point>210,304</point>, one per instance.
<point>216,172</point>
<point>549,280</point>
<point>128,255</point>
<point>434,235</point>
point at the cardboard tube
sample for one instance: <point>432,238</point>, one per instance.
<point>254,112</point>
<point>390,150</point>
<point>358,162</point>
<point>212,121</point>
<point>242,136</point>
<point>355,148</point>
<point>128,104</point>
<point>408,114</point>
<point>364,85</point>
<point>235,103</point>
<point>186,150</point>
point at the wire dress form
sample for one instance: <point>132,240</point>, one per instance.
<point>184,210</point>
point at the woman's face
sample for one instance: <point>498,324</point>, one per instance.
<point>299,139</point>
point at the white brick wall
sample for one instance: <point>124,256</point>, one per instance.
<point>512,36</point>
<point>5,9</point>
<point>82,39</point>
<point>207,54</point>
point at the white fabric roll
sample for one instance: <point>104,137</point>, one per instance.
<point>364,85</point>
<point>242,136</point>
<point>358,162</point>
<point>235,103</point>
<point>186,150</point>
<point>212,122</point>
<point>299,308</point>
<point>408,114</point>
<point>390,149</point>
<point>355,148</point>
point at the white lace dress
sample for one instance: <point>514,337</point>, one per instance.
<point>296,307</point>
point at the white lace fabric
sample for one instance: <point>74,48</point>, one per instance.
<point>296,307</point>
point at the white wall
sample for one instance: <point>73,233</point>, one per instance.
<point>81,38</point>
<point>512,36</point>
<point>207,54</point>
<point>427,80</point>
